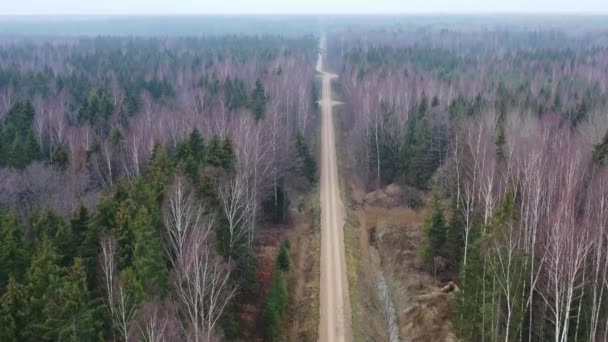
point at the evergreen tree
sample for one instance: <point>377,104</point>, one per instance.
<point>21,117</point>
<point>103,219</point>
<point>197,147</point>
<point>60,158</point>
<point>455,234</point>
<point>214,151</point>
<point>417,161</point>
<point>314,96</point>
<point>76,316</point>
<point>13,251</point>
<point>116,137</point>
<point>14,312</point>
<point>283,258</point>
<point>468,306</point>
<point>276,300</point>
<point>307,161</point>
<point>79,224</point>
<point>258,101</point>
<point>557,103</point>
<point>18,144</point>
<point>474,312</point>
<point>49,223</point>
<point>132,287</point>
<point>148,261</point>
<point>227,158</point>
<point>501,142</point>
<point>31,150</point>
<point>435,101</point>
<point>158,175</point>
<point>235,93</point>
<point>600,151</point>
<point>125,233</point>
<point>96,108</point>
<point>501,139</point>
<point>131,104</point>
<point>44,278</point>
<point>434,230</point>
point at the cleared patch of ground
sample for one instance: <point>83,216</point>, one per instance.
<point>392,234</point>
<point>304,278</point>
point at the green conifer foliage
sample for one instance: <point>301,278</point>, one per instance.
<point>258,101</point>
<point>434,230</point>
<point>14,312</point>
<point>13,250</point>
<point>76,315</point>
<point>148,261</point>
<point>308,165</point>
<point>44,278</point>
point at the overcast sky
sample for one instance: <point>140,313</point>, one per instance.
<point>54,7</point>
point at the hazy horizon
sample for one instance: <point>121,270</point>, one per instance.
<point>300,7</point>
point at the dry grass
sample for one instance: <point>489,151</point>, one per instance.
<point>367,320</point>
<point>396,234</point>
<point>304,277</point>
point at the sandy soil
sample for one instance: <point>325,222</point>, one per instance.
<point>335,315</point>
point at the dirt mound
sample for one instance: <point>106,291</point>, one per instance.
<point>393,190</point>
<point>389,197</point>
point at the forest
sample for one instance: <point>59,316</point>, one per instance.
<point>152,180</point>
<point>135,173</point>
<point>501,134</point>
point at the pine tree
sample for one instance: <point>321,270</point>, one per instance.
<point>434,230</point>
<point>103,219</point>
<point>158,175</point>
<point>14,312</point>
<point>21,116</point>
<point>557,103</point>
<point>214,151</point>
<point>258,101</point>
<point>309,165</point>
<point>501,142</point>
<point>13,251</point>
<point>75,316</point>
<point>455,234</point>
<point>19,144</point>
<point>501,139</point>
<point>148,261</point>
<point>43,279</point>
<point>435,101</point>
<point>49,223</point>
<point>60,158</point>
<point>79,224</point>
<point>417,161</point>
<point>227,158</point>
<point>125,233</point>
<point>32,149</point>
<point>276,300</point>
<point>116,137</point>
<point>197,147</point>
<point>283,258</point>
<point>468,306</point>
<point>600,151</point>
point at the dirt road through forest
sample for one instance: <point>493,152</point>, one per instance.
<point>335,303</point>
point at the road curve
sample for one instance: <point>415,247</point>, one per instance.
<point>334,324</point>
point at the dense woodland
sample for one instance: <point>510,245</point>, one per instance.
<point>509,129</point>
<point>134,174</point>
